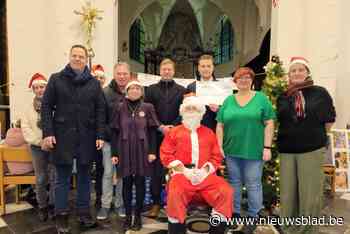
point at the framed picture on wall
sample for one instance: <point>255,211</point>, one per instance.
<point>340,141</point>
<point>341,181</point>
<point>341,160</point>
<point>341,156</point>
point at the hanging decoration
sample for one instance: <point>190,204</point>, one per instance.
<point>89,16</point>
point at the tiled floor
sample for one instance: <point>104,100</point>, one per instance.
<point>26,222</point>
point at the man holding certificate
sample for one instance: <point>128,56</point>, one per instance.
<point>206,69</point>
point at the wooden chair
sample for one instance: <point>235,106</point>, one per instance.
<point>329,171</point>
<point>13,154</point>
<point>198,211</point>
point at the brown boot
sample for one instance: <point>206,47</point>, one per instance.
<point>154,212</point>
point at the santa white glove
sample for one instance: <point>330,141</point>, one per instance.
<point>198,175</point>
<point>188,173</point>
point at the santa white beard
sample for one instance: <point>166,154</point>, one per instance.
<point>192,120</point>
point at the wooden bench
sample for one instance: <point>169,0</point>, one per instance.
<point>13,154</point>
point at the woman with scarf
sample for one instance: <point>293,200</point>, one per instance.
<point>134,131</point>
<point>305,114</point>
<point>32,131</point>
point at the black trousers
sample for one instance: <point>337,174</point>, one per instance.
<point>157,180</point>
<point>128,183</point>
<point>157,177</point>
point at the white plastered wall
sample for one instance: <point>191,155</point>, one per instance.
<point>40,34</point>
<point>317,30</point>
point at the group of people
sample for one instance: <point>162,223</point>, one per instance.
<point>137,131</point>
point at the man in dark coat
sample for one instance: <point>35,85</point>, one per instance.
<point>206,70</point>
<point>73,120</point>
<point>166,97</point>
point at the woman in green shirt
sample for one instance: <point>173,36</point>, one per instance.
<point>245,131</point>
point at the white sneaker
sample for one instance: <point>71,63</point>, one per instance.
<point>102,214</point>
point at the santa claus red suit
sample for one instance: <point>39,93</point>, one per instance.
<point>192,154</point>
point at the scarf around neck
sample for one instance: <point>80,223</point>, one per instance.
<point>79,78</point>
<point>37,107</point>
<point>295,91</point>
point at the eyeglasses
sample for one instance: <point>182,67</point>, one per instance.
<point>244,78</point>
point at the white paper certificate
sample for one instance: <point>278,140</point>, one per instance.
<point>149,79</point>
<point>214,92</point>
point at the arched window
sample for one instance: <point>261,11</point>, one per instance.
<point>224,42</point>
<point>137,41</point>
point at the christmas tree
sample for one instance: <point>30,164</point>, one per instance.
<point>274,85</point>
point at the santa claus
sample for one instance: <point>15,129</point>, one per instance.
<point>191,152</point>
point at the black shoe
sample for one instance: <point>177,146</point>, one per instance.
<point>219,229</point>
<point>137,223</point>
<point>249,228</point>
<point>127,222</point>
<point>234,225</point>
<point>176,228</point>
<point>86,221</point>
<point>43,214</point>
<point>62,224</point>
<point>51,212</point>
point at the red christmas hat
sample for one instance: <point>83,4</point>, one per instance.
<point>97,70</point>
<point>37,78</point>
<point>301,60</point>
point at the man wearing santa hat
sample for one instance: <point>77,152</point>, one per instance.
<point>191,152</point>
<point>98,72</point>
<point>32,132</point>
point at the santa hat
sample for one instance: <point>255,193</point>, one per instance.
<point>134,82</point>
<point>37,78</point>
<point>97,70</point>
<point>301,60</point>
<point>192,101</point>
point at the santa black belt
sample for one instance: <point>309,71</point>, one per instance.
<point>190,166</point>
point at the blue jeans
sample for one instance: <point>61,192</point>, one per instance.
<point>107,181</point>
<point>248,172</point>
<point>62,186</point>
<point>44,175</point>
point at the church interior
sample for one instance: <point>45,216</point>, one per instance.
<point>35,36</point>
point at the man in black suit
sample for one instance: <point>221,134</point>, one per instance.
<point>206,71</point>
<point>166,97</point>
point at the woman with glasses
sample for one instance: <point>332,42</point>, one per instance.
<point>245,131</point>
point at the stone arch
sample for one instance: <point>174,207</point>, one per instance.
<point>147,3</point>
<point>181,28</point>
<point>262,6</point>
<point>244,51</point>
